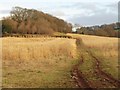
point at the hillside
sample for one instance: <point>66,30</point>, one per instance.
<point>30,21</point>
<point>108,30</point>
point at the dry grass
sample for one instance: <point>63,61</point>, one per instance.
<point>108,46</point>
<point>37,48</point>
<point>47,62</point>
<point>38,62</point>
<point>105,48</point>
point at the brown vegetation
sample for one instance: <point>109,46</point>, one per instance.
<point>30,21</point>
<point>38,62</point>
<point>99,65</point>
<point>110,30</point>
<point>105,48</point>
<point>50,62</point>
<point>34,48</point>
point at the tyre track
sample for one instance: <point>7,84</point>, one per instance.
<point>103,74</point>
<point>76,74</point>
<point>79,77</point>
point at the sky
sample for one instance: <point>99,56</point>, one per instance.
<point>82,12</point>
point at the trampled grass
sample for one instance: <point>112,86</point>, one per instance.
<point>106,49</point>
<point>38,62</point>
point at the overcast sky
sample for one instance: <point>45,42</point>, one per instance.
<point>83,12</point>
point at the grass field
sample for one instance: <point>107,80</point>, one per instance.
<point>38,62</point>
<point>37,48</point>
<point>46,62</point>
<point>106,49</point>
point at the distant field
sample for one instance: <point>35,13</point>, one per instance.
<point>38,62</point>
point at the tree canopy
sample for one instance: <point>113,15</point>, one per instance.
<point>30,21</point>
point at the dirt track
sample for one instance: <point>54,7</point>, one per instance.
<point>81,80</point>
<point>76,74</point>
<point>79,77</point>
<point>103,74</point>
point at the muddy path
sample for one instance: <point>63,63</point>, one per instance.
<point>76,74</point>
<point>79,77</point>
<point>103,74</point>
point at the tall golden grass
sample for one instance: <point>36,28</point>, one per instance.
<point>47,61</point>
<point>108,46</point>
<point>37,62</point>
<point>37,48</point>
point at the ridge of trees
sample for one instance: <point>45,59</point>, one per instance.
<point>30,21</point>
<point>108,30</point>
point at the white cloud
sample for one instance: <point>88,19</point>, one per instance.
<point>75,11</point>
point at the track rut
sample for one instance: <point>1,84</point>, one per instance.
<point>79,77</point>
<point>81,80</point>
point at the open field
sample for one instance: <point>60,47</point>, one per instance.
<point>107,50</point>
<point>103,49</point>
<point>51,62</point>
<point>37,48</point>
<point>38,62</point>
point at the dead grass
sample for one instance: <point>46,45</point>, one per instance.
<point>106,49</point>
<point>38,62</point>
<point>47,62</point>
<point>37,48</point>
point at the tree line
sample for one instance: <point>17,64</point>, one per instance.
<point>30,21</point>
<point>108,30</point>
